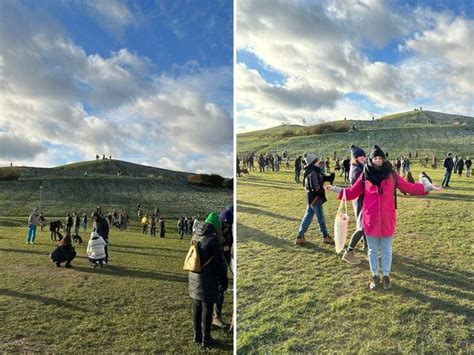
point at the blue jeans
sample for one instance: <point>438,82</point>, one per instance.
<point>31,234</point>
<point>308,218</point>
<point>385,245</point>
<point>447,176</point>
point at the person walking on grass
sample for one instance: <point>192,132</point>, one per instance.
<point>96,250</point>
<point>357,166</point>
<point>313,184</point>
<point>77,223</point>
<point>377,183</point>
<point>152,225</point>
<point>468,166</point>
<point>64,252</point>
<point>204,286</point>
<point>181,227</point>
<point>448,165</point>
<point>33,221</point>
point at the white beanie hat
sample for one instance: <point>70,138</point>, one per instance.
<point>310,158</point>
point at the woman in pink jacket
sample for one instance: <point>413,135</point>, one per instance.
<point>377,183</point>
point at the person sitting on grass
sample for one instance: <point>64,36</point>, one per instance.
<point>96,250</point>
<point>64,252</point>
<point>313,180</point>
<point>204,286</point>
<point>378,183</point>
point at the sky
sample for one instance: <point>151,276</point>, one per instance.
<point>150,82</point>
<point>306,62</point>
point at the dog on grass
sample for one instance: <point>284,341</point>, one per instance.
<point>244,171</point>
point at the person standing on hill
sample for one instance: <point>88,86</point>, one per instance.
<point>455,163</point>
<point>102,228</point>
<point>468,167</point>
<point>399,165</point>
<point>298,168</point>
<point>378,183</point>
<point>276,162</point>
<point>33,221</point>
<point>328,168</point>
<point>261,163</point>
<point>181,227</point>
<point>448,165</point>
<point>459,166</point>
<point>313,183</point>
<point>357,167</point>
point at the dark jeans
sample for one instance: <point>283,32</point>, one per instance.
<point>53,235</point>
<point>297,175</point>
<point>356,237</point>
<point>202,319</point>
<point>66,259</point>
<point>447,177</point>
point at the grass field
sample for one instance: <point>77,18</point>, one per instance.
<point>305,299</point>
<point>138,304</point>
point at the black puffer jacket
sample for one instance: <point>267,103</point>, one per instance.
<point>102,228</point>
<point>205,285</point>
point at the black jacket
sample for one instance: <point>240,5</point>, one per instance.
<point>63,253</point>
<point>102,228</point>
<point>205,285</point>
<point>313,182</point>
<point>448,163</point>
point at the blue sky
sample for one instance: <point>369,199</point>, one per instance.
<point>325,60</point>
<point>144,81</point>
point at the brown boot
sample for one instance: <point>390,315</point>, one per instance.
<point>350,257</point>
<point>300,241</point>
<point>328,240</point>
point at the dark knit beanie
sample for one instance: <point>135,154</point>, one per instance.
<point>357,152</point>
<point>377,152</point>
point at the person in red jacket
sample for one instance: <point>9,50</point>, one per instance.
<point>378,182</point>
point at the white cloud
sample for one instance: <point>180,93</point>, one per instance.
<point>320,50</point>
<point>112,14</point>
<point>83,104</point>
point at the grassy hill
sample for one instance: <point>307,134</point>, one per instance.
<point>427,132</point>
<point>66,188</point>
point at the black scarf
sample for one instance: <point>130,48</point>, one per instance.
<point>308,169</point>
<point>377,174</point>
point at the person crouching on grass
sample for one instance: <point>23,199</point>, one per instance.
<point>313,180</point>
<point>96,250</point>
<point>64,252</point>
<point>378,182</point>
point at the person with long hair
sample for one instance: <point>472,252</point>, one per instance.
<point>378,183</point>
<point>64,252</point>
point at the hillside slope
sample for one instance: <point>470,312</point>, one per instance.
<point>66,189</point>
<point>424,131</point>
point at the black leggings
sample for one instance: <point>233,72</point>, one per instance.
<point>202,319</point>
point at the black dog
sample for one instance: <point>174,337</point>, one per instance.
<point>77,239</point>
<point>329,178</point>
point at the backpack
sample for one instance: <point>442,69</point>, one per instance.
<point>395,180</point>
<point>192,262</point>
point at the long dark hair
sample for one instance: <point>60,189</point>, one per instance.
<point>66,241</point>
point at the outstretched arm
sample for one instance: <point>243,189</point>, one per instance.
<point>351,192</point>
<point>417,188</point>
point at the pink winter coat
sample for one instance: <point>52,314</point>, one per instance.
<point>378,210</point>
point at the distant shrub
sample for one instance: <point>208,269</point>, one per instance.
<point>327,128</point>
<point>206,180</point>
<point>9,175</point>
<point>288,133</point>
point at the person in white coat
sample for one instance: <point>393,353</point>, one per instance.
<point>96,250</point>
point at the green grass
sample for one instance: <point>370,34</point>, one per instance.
<point>305,299</point>
<point>139,304</point>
